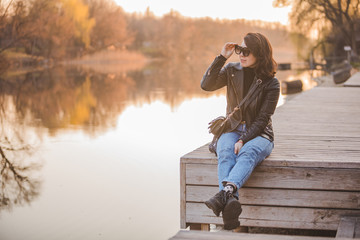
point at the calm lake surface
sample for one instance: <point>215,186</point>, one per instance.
<point>93,152</point>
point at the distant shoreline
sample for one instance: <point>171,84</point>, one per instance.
<point>118,60</point>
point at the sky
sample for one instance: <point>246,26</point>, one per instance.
<point>227,9</point>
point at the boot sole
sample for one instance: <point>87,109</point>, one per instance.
<point>231,215</point>
<point>232,225</point>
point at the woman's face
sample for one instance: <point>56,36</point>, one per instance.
<point>248,61</point>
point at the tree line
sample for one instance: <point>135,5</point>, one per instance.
<point>187,38</point>
<point>62,29</point>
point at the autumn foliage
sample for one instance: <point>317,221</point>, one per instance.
<point>63,29</point>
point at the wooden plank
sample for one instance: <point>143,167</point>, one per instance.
<point>327,152</point>
<point>282,197</point>
<point>286,155</point>
<point>226,235</point>
<point>346,227</point>
<point>277,217</point>
<point>282,177</point>
<point>182,196</point>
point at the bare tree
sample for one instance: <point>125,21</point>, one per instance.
<point>341,15</point>
<point>15,25</point>
<point>18,184</point>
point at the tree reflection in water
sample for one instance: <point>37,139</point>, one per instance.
<point>74,97</point>
<point>63,98</point>
<point>19,184</point>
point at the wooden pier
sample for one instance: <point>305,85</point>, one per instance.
<point>310,181</point>
<point>202,235</point>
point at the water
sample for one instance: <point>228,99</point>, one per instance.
<point>97,152</point>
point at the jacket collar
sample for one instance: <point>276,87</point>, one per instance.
<point>238,66</point>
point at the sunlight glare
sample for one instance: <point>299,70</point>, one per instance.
<point>231,9</point>
<point>191,117</point>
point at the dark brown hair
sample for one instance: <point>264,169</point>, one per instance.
<point>260,47</point>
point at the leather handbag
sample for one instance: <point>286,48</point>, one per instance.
<point>217,126</point>
<point>220,124</point>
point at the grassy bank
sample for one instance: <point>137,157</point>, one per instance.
<point>113,61</point>
<point>13,62</point>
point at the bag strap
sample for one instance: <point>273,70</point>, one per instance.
<point>248,95</point>
<point>258,83</point>
<point>251,91</point>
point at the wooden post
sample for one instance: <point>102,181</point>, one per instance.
<point>183,195</point>
<point>347,227</point>
<point>205,227</point>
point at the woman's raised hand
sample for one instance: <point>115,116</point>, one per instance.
<point>228,49</point>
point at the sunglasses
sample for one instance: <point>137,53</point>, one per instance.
<point>244,50</point>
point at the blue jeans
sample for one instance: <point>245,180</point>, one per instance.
<point>237,168</point>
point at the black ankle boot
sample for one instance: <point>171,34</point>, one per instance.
<point>218,202</point>
<point>231,213</point>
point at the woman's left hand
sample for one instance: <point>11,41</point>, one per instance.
<point>228,49</point>
<point>238,146</point>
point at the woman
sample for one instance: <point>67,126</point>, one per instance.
<point>249,136</point>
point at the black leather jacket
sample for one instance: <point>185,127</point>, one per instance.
<point>257,110</point>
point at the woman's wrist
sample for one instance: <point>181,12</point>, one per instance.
<point>240,141</point>
<point>222,55</point>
